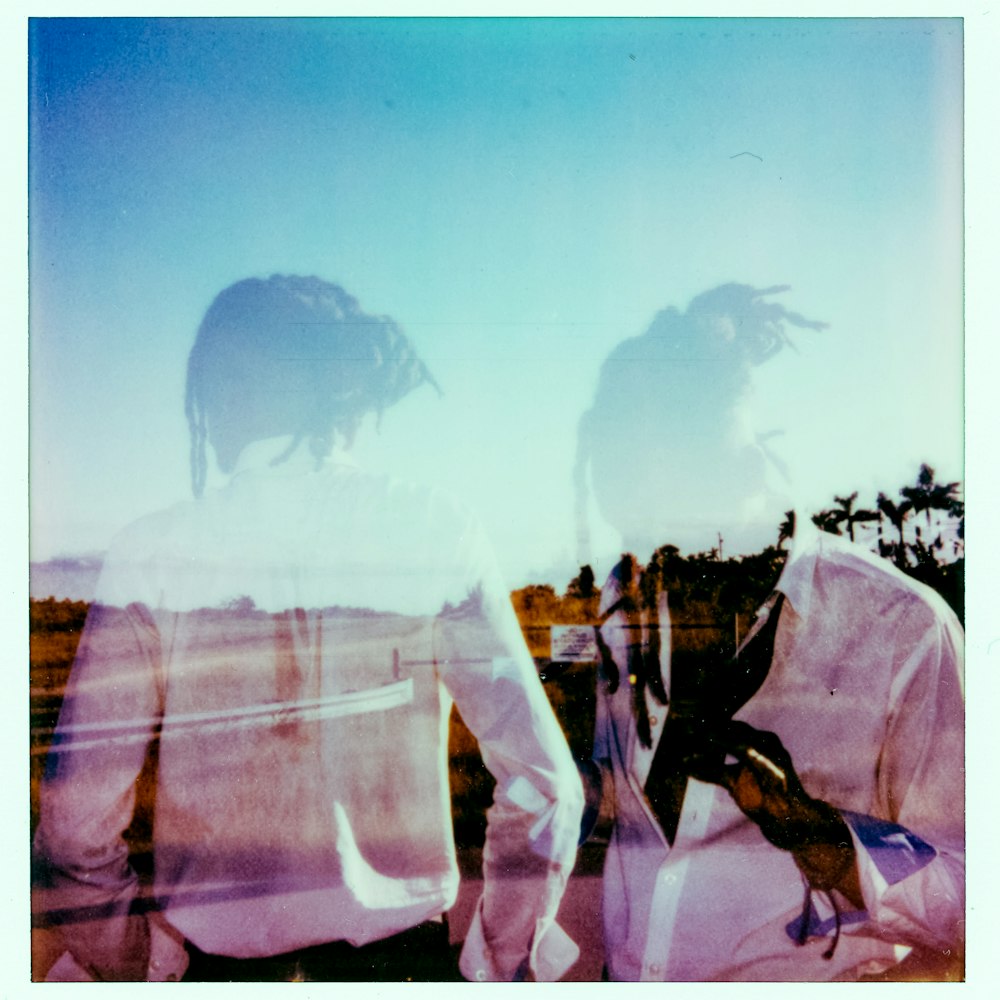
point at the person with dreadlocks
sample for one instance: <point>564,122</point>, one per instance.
<point>791,809</point>
<point>289,647</point>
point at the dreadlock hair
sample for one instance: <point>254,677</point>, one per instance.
<point>679,383</point>
<point>297,355</point>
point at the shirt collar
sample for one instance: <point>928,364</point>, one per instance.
<point>796,580</point>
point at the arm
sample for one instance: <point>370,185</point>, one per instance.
<point>903,863</point>
<point>108,718</point>
<point>534,823</point>
<point>911,853</point>
<point>763,783</point>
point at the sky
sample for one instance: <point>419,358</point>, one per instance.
<point>520,195</point>
<point>519,208</point>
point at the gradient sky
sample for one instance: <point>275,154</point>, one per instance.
<point>520,196</point>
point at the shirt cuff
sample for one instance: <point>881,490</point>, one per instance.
<point>552,954</point>
<point>66,969</point>
<point>168,958</point>
<point>896,853</point>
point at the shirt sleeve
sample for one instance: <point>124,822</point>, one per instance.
<point>109,716</point>
<point>911,857</point>
<point>534,822</point>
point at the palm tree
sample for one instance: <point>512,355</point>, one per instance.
<point>956,510</point>
<point>927,496</point>
<point>828,520</point>
<point>896,514</point>
<point>786,529</point>
<point>850,515</point>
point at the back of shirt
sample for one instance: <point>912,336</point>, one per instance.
<point>296,639</point>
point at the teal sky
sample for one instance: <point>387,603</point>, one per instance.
<point>520,195</point>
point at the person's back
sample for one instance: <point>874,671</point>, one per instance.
<point>295,640</point>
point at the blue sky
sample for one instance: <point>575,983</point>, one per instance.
<point>520,195</point>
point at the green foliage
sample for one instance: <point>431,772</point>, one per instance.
<point>242,606</point>
<point>582,585</point>
<point>923,533</point>
<point>50,615</point>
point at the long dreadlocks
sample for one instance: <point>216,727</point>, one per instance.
<point>677,384</point>
<point>682,380</point>
<point>301,349</point>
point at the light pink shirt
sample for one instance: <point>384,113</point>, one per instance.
<point>297,639</point>
<point>865,691</point>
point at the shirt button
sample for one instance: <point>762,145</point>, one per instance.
<point>653,720</point>
<point>655,970</point>
<point>481,975</point>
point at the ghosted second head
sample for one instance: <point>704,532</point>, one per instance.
<point>290,355</point>
<point>667,448</point>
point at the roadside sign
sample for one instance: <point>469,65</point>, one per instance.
<point>573,644</point>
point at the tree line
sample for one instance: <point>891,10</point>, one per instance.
<point>921,532</point>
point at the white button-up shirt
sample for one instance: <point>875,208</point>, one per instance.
<point>865,691</point>
<point>293,643</point>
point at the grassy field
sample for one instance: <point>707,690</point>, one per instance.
<point>55,632</point>
<point>55,628</point>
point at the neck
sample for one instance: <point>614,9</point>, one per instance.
<point>275,453</point>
